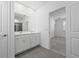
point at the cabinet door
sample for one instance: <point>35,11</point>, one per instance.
<point>20,44</point>
<point>27,41</point>
<point>34,40</point>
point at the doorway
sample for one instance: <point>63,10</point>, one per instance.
<point>58,31</point>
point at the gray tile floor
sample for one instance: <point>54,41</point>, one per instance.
<point>39,52</point>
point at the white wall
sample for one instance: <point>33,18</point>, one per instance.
<point>32,23</point>
<point>43,24</point>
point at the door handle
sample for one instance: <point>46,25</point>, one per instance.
<point>5,35</point>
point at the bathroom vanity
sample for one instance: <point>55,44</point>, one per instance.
<point>26,40</point>
<point>25,37</point>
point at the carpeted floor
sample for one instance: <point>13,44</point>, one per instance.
<point>39,52</point>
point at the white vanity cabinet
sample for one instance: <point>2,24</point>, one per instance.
<point>22,43</point>
<point>26,41</point>
<point>35,39</point>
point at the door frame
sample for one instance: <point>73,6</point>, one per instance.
<point>11,43</point>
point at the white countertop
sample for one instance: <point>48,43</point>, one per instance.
<point>24,32</point>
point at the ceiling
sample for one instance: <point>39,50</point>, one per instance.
<point>33,4</point>
<point>37,4</point>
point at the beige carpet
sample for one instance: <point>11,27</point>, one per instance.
<point>39,52</point>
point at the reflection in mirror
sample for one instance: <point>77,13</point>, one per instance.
<point>18,27</point>
<point>21,23</point>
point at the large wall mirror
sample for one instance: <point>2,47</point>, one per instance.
<point>21,22</point>
<point>22,16</point>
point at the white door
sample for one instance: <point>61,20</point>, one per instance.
<point>72,30</point>
<point>3,29</point>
